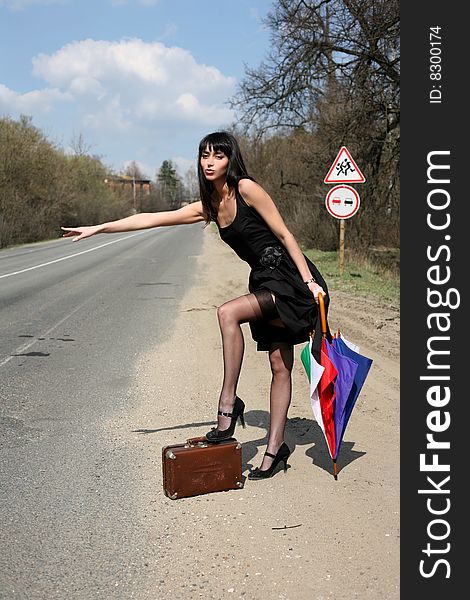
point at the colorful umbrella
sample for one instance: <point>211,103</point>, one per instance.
<point>346,369</point>
<point>322,378</point>
<point>335,384</point>
<point>363,366</point>
<point>314,372</point>
<point>327,398</point>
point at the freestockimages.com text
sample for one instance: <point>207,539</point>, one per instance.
<point>441,300</point>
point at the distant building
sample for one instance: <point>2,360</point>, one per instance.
<point>137,186</point>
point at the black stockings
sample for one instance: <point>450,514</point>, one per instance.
<point>231,315</point>
<point>281,358</point>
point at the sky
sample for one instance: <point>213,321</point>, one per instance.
<point>138,80</point>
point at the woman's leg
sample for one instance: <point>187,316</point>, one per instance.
<point>281,358</point>
<point>231,315</point>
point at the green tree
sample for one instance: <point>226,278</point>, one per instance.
<point>170,185</point>
<point>42,187</point>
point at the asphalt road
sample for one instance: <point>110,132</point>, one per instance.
<point>73,320</point>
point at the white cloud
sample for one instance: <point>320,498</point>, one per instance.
<point>129,98</point>
<point>21,4</point>
<point>30,102</point>
<point>147,170</point>
<point>133,83</point>
<point>142,2</point>
<point>191,109</point>
<point>182,164</point>
<point>170,30</point>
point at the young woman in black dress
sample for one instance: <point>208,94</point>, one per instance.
<point>281,307</point>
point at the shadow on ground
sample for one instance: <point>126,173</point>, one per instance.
<point>299,432</point>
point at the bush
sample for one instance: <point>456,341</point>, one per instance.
<point>42,188</point>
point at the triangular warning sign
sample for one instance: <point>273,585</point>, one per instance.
<point>344,169</point>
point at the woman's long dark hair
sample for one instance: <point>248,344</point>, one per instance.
<point>220,141</point>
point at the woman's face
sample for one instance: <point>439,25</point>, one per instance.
<point>214,164</point>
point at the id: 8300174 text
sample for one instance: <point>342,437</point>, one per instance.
<point>435,64</point>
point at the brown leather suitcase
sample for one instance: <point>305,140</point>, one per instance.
<point>198,467</point>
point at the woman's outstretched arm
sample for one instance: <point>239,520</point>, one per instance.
<point>191,213</point>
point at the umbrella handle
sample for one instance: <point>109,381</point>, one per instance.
<point>321,304</point>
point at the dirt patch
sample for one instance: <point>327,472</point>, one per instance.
<point>300,535</point>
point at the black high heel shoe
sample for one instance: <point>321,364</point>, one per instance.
<point>219,435</point>
<point>282,455</point>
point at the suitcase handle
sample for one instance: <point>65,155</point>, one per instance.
<point>197,441</point>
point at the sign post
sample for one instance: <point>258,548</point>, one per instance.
<point>342,227</point>
<point>343,201</point>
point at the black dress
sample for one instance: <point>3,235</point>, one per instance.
<point>273,269</point>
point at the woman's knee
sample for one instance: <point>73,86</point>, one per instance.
<point>281,363</point>
<point>225,314</point>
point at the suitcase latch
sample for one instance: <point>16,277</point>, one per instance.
<point>190,444</point>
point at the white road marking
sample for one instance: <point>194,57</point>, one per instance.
<point>51,262</point>
<point>28,345</point>
<point>37,339</point>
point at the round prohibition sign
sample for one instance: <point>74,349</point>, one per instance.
<point>342,202</point>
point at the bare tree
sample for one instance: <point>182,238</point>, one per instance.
<point>133,170</point>
<point>332,75</point>
<point>79,145</point>
<point>191,184</point>
<point>314,44</point>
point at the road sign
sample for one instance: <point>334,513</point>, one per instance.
<point>342,202</point>
<point>344,169</point>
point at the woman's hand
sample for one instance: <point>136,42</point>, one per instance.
<point>315,289</point>
<point>80,233</point>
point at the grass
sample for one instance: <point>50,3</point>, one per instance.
<point>379,277</point>
<point>361,275</point>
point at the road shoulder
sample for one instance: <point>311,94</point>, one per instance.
<point>299,535</point>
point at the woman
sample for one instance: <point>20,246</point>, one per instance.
<point>283,285</point>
